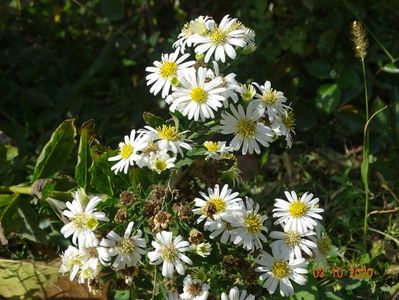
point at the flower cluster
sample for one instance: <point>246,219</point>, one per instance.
<point>157,226</point>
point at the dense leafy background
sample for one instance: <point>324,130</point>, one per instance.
<point>86,59</point>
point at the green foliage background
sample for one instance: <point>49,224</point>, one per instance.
<point>86,60</point>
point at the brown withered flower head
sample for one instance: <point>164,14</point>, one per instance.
<point>126,198</point>
<point>196,236</point>
<point>121,215</point>
<point>160,221</point>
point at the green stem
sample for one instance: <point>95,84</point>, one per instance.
<point>365,160</point>
<point>27,190</point>
<point>154,287</point>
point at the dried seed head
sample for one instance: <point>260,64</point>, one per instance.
<point>126,198</point>
<point>161,221</point>
<point>96,287</point>
<point>359,39</point>
<point>196,236</point>
<point>184,212</point>
<point>121,215</point>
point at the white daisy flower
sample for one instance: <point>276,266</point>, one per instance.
<point>72,261</point>
<point>222,228</point>
<point>127,249</point>
<point>165,71</point>
<point>234,294</point>
<point>229,82</point>
<point>91,266</point>
<point>194,289</point>
<point>221,40</point>
<point>168,138</point>
<point>218,205</point>
<point>127,152</point>
<point>297,214</point>
<point>284,125</point>
<point>169,251</point>
<point>196,97</point>
<point>161,161</point>
<point>247,129</point>
<point>269,100</point>
<point>199,26</point>
<point>83,221</point>
<point>203,249</point>
<point>216,150</point>
<point>278,270</point>
<point>324,247</point>
<point>292,243</point>
<point>249,227</point>
<point>151,148</point>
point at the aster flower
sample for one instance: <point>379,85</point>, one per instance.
<point>198,26</point>
<point>127,249</point>
<point>221,39</point>
<point>83,221</point>
<point>202,249</point>
<point>168,138</point>
<point>249,227</point>
<point>235,294</point>
<point>284,125</point>
<point>247,92</point>
<point>128,152</point>
<point>291,243</point>
<point>278,270</point>
<point>165,71</point>
<point>297,214</point>
<point>324,247</point>
<point>194,289</point>
<point>161,161</point>
<point>71,262</point>
<point>169,252</point>
<point>268,100</point>
<point>218,205</point>
<point>196,97</point>
<point>216,150</point>
<point>247,129</point>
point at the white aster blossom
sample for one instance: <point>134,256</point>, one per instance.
<point>248,229</point>
<point>235,294</point>
<point>168,138</point>
<point>71,262</point>
<point>194,289</point>
<point>247,92</point>
<point>165,71</point>
<point>324,247</point>
<point>247,129</point>
<point>169,251</point>
<point>278,270</point>
<point>127,249</point>
<point>83,221</point>
<point>161,161</point>
<point>292,243</point>
<point>297,214</point>
<point>196,97</point>
<point>268,100</point>
<point>284,125</point>
<point>221,39</point>
<point>203,249</point>
<point>216,150</point>
<point>128,152</point>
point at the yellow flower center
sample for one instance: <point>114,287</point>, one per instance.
<point>219,204</point>
<point>169,253</point>
<point>246,128</point>
<point>324,245</point>
<point>168,69</point>
<point>126,151</point>
<point>292,238</point>
<point>126,246</point>
<point>218,37</point>
<point>198,95</point>
<point>289,120</point>
<point>270,97</point>
<point>253,223</point>
<point>297,209</point>
<point>211,146</point>
<point>83,221</point>
<point>160,164</point>
<point>168,132</point>
<point>280,269</point>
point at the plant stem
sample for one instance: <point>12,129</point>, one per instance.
<point>27,190</point>
<point>365,160</point>
<point>154,285</point>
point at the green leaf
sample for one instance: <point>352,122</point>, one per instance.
<point>328,97</point>
<point>319,68</point>
<point>87,135</point>
<point>391,68</point>
<point>23,279</point>
<point>56,153</point>
<point>100,171</point>
<point>5,203</point>
<point>153,120</point>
